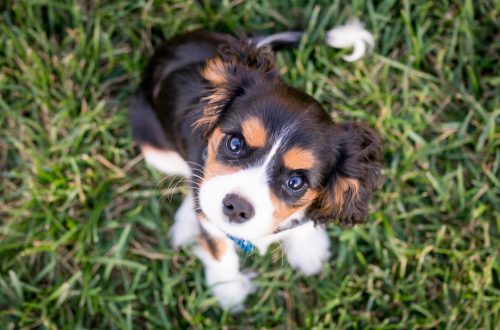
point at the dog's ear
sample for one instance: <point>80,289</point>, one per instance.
<point>355,173</point>
<point>237,67</point>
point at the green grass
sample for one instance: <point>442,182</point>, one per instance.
<point>83,229</point>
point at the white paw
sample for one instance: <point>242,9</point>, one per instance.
<point>228,285</point>
<point>308,249</point>
<point>232,293</point>
<point>186,226</point>
<point>308,265</point>
<point>181,234</point>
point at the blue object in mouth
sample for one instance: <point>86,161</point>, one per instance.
<point>242,244</point>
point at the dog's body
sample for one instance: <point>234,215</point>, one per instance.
<point>265,162</point>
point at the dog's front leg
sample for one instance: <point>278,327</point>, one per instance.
<point>228,285</point>
<point>186,225</point>
<point>307,247</point>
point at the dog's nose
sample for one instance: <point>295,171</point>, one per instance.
<point>237,209</point>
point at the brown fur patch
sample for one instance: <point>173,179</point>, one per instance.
<point>343,186</point>
<point>254,132</point>
<point>299,159</point>
<point>213,167</point>
<point>217,247</point>
<point>212,106</point>
<point>215,71</point>
<point>282,210</point>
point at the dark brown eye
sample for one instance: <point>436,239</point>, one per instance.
<point>296,182</point>
<point>234,144</point>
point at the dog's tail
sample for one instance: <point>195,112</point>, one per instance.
<point>351,35</point>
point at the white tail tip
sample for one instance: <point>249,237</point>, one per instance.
<point>352,35</point>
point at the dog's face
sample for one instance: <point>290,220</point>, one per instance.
<point>274,155</point>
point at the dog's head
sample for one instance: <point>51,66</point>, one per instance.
<point>274,154</point>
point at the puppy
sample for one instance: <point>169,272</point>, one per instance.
<point>264,161</point>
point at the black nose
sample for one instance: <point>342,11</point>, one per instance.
<point>237,209</point>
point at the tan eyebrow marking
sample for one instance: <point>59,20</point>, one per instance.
<point>254,132</point>
<point>298,158</point>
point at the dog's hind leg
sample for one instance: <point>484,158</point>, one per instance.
<point>156,147</point>
<point>165,161</point>
<point>158,152</point>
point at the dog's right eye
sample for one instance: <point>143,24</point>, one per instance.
<point>296,182</point>
<point>234,144</point>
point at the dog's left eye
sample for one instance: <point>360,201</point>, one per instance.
<point>234,144</point>
<point>296,182</point>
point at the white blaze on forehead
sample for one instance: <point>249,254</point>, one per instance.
<point>280,140</point>
<point>252,185</point>
<point>271,155</point>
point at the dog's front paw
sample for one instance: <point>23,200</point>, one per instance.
<point>181,234</point>
<point>186,227</point>
<point>308,251</point>
<point>308,264</point>
<point>231,294</point>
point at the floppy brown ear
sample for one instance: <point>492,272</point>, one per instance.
<point>237,67</point>
<point>353,177</point>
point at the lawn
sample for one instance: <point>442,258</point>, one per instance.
<point>84,222</point>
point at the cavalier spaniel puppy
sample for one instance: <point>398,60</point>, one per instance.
<point>264,161</point>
